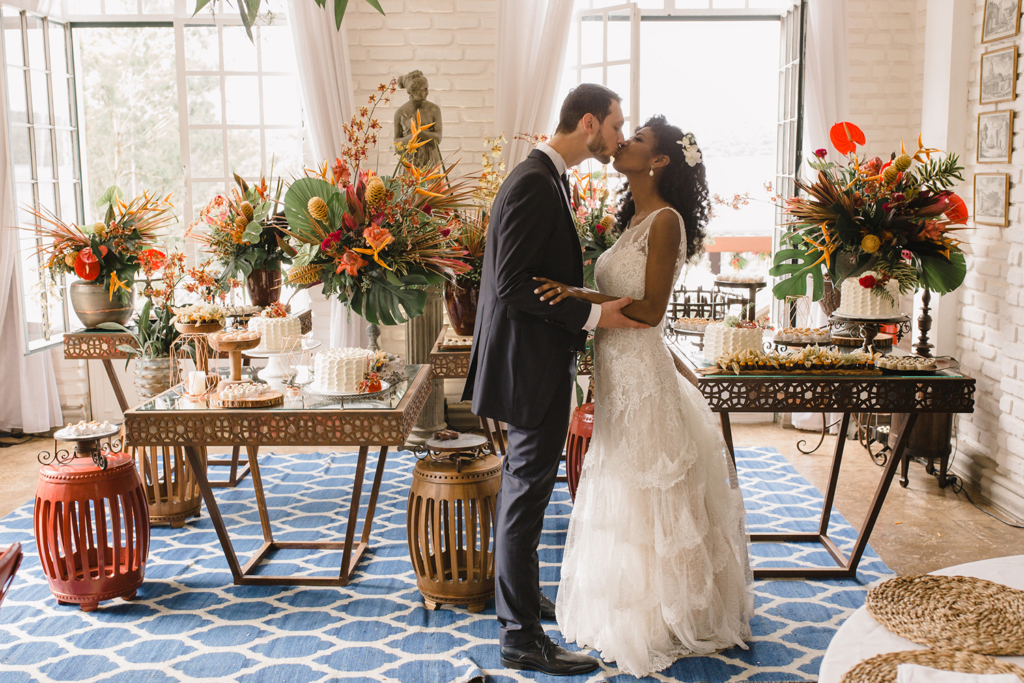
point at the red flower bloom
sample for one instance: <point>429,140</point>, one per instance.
<point>87,266</point>
<point>845,137</point>
<point>821,153</point>
<point>957,212</point>
<point>152,260</point>
<point>331,241</point>
<point>351,262</point>
<point>868,282</point>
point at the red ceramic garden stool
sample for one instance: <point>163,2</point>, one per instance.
<point>91,526</point>
<point>581,430</point>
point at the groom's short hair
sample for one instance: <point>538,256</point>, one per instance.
<point>586,98</point>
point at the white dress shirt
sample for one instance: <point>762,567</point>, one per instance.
<point>560,167</point>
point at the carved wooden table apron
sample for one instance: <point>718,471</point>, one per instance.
<point>945,392</point>
<point>102,345</point>
<point>302,421</point>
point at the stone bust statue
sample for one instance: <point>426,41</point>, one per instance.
<point>429,155</point>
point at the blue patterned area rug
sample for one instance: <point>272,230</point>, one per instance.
<point>190,623</point>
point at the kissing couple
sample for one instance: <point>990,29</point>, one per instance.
<point>655,565</point>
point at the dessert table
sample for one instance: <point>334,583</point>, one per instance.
<point>102,345</point>
<point>303,420</point>
<point>946,391</point>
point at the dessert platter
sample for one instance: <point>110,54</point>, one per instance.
<point>810,360</point>
<point>692,325</point>
<point>245,394</point>
<point>455,342</point>
<point>739,279</point>
<point>802,336</point>
<point>912,365</point>
<point>86,431</point>
<point>233,342</point>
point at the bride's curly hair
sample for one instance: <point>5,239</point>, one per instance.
<point>683,186</point>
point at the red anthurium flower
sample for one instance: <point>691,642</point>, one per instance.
<point>957,212</point>
<point>87,266</point>
<point>152,260</point>
<point>845,137</point>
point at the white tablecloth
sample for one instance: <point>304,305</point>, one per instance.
<point>861,637</point>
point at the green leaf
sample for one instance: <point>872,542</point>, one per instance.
<point>376,5</point>
<point>305,254</point>
<point>796,283</point>
<point>296,199</point>
<point>116,327</point>
<point>240,181</point>
<point>252,232</point>
<point>200,4</point>
<point>107,198</point>
<point>941,275</point>
<point>846,228</point>
<point>339,12</point>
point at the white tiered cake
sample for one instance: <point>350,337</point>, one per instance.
<point>720,339</point>
<point>274,330</point>
<point>340,370</point>
<point>861,302</point>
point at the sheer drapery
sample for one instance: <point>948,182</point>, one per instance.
<point>321,53</point>
<point>29,401</point>
<point>826,102</point>
<point>532,37</point>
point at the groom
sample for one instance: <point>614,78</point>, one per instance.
<point>523,364</point>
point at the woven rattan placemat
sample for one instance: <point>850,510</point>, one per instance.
<point>957,613</point>
<point>882,668</point>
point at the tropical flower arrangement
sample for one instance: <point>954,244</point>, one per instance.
<point>275,310</point>
<point>896,218</point>
<point>376,242</point>
<point>110,251</point>
<point>240,230</point>
<point>595,219</point>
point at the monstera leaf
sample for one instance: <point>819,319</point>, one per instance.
<point>391,299</point>
<point>942,275</point>
<point>796,283</point>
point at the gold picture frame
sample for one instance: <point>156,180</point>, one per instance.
<point>1000,19</point>
<point>995,137</point>
<point>997,81</point>
<point>992,199</point>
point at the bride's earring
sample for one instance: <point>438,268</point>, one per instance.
<point>652,172</point>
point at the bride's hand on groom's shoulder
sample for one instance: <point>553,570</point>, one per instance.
<point>553,292</point>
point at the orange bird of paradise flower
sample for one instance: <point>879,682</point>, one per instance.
<point>378,238</point>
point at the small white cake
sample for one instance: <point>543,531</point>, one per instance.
<point>340,370</point>
<point>274,330</point>
<point>720,340</point>
<point>858,301</point>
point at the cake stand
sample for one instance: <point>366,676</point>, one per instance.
<point>234,349</point>
<point>278,372</point>
<point>867,328</point>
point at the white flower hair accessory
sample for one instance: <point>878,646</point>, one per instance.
<point>690,149</point>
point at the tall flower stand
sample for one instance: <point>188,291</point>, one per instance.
<point>91,522</point>
<point>450,522</point>
<point>420,334</point>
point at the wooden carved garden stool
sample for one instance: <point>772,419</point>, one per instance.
<point>172,490</point>
<point>450,522</point>
<point>91,522</point>
<point>581,431</point>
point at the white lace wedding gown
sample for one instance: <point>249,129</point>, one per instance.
<point>655,564</point>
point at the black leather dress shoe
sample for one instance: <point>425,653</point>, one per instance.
<point>545,656</point>
<point>547,608</point>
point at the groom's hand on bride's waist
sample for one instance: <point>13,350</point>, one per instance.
<point>613,318</point>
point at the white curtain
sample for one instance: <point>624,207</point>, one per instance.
<point>29,401</point>
<point>325,78</point>
<point>826,102</point>
<point>532,37</point>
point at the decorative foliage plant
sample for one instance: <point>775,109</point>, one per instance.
<point>896,218</point>
<point>376,242</point>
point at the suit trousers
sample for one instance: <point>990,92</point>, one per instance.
<point>527,479</point>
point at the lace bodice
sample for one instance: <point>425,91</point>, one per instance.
<point>622,270</point>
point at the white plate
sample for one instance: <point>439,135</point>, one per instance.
<point>315,389</point>
<point>307,345</point>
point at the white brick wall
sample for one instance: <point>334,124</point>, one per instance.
<point>886,48</point>
<point>452,42</point>
<point>989,344</point>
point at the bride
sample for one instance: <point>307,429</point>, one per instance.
<point>655,565</point>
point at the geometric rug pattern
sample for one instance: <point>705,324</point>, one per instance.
<point>190,623</point>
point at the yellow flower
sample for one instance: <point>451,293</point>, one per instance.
<point>870,244</point>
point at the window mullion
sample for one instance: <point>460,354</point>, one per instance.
<point>183,131</point>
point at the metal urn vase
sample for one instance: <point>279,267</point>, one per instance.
<point>94,305</point>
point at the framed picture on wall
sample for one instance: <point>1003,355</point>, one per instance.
<point>995,137</point>
<point>992,198</point>
<point>1002,20</point>
<point>998,76</point>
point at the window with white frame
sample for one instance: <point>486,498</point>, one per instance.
<point>43,145</point>
<point>168,102</point>
<point>710,67</point>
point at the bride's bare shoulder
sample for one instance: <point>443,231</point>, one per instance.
<point>666,230</point>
